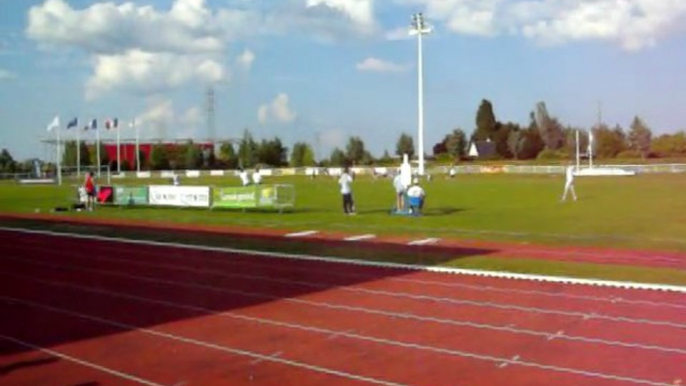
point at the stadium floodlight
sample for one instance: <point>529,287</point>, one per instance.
<point>419,28</point>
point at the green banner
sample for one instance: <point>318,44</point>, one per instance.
<point>244,197</point>
<point>131,195</point>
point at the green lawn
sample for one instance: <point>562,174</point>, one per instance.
<point>646,211</point>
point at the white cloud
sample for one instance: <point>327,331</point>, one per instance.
<point>633,24</point>
<point>161,117</point>
<point>402,33</point>
<point>359,11</point>
<point>246,59</point>
<point>149,73</point>
<point>7,75</point>
<point>279,109</point>
<point>378,65</point>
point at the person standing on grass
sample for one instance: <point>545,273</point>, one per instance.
<point>89,185</point>
<point>399,192</point>
<point>345,181</point>
<point>569,183</point>
<point>245,180</point>
<point>257,177</point>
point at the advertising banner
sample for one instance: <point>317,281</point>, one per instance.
<point>131,195</point>
<point>181,196</point>
<point>239,197</point>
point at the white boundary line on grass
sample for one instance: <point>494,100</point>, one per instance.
<point>360,237</point>
<point>446,270</point>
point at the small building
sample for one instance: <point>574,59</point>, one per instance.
<point>482,149</point>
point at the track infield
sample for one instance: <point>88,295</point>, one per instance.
<point>95,312</point>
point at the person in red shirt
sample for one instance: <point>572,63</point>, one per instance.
<point>90,191</point>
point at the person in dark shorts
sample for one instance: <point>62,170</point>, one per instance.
<point>89,185</point>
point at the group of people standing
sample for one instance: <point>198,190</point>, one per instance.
<point>411,196</point>
<point>245,179</point>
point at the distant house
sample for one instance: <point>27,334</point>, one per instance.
<point>482,149</point>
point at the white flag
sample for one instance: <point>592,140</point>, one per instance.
<point>590,141</point>
<point>55,124</point>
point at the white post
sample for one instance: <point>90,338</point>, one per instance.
<point>59,156</point>
<point>118,152</point>
<point>97,147</point>
<point>78,150</point>
<point>419,28</point>
<point>420,85</point>
<point>578,155</point>
<point>138,152</point>
<point>590,149</point>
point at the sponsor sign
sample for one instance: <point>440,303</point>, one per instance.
<point>181,196</point>
<point>131,195</point>
<point>245,197</point>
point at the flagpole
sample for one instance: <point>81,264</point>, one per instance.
<point>138,153</point>
<point>59,157</point>
<point>97,147</point>
<point>78,150</point>
<point>118,152</point>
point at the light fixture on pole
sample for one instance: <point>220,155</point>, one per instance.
<point>419,28</point>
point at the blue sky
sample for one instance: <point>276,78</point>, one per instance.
<point>335,68</point>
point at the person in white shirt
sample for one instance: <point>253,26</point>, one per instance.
<point>257,177</point>
<point>399,192</point>
<point>416,193</point>
<point>345,181</point>
<point>569,183</point>
<point>245,180</point>
<point>452,172</point>
<point>175,180</point>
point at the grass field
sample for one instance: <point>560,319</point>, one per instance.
<point>647,211</point>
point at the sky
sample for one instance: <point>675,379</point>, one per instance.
<point>321,71</point>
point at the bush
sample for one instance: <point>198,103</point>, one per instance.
<point>548,154</point>
<point>630,154</point>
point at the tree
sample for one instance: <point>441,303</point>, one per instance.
<point>272,152</point>
<point>532,144</point>
<point>456,144</point>
<point>247,151</point>
<point>159,157</point>
<point>485,122</point>
<point>69,156</point>
<point>515,142</point>
<point>668,145</point>
<point>355,150</point>
<point>550,128</point>
<point>640,137</point>
<point>227,155</point>
<point>608,142</point>
<point>193,156</point>
<point>302,155</point>
<point>405,145</point>
<point>338,158</point>
<point>93,153</point>
<point>7,163</point>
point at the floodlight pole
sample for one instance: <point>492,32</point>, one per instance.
<point>419,28</point>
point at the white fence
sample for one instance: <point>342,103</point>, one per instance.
<point>460,169</point>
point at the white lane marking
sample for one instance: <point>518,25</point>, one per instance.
<point>429,241</point>
<point>416,268</point>
<point>494,359</point>
<point>360,237</point>
<point>81,362</point>
<point>196,342</point>
<point>377,312</point>
<point>301,234</point>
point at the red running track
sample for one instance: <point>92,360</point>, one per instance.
<point>109,313</point>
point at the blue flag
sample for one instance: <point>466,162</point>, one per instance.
<point>73,123</point>
<point>94,124</point>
